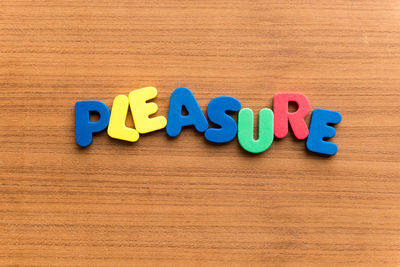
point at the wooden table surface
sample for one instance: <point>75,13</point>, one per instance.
<point>183,201</point>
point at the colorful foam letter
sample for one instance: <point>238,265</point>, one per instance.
<point>84,128</point>
<point>265,130</point>
<point>141,110</point>
<point>319,129</point>
<point>296,119</point>
<point>216,112</point>
<point>117,128</point>
<point>183,97</point>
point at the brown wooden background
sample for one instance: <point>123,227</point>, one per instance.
<point>183,201</point>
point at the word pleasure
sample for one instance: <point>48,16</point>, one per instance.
<point>270,123</point>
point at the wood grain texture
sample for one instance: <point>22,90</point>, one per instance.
<point>183,201</point>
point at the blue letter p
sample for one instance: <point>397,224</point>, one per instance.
<point>84,128</point>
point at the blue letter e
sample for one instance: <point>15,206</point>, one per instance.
<point>84,128</point>
<point>319,129</point>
